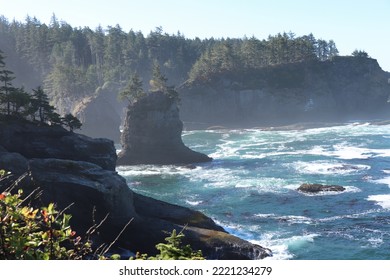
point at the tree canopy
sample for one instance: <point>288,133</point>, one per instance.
<point>35,106</point>
<point>72,63</point>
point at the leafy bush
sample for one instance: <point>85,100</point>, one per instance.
<point>40,234</point>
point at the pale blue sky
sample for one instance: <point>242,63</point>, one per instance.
<point>352,24</point>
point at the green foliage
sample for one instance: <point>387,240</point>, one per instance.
<point>133,90</point>
<point>19,103</point>
<point>360,53</point>
<point>37,234</point>
<point>73,62</point>
<point>173,250</point>
<point>71,122</point>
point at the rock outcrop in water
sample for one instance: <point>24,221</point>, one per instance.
<point>316,188</point>
<point>70,168</point>
<point>152,133</point>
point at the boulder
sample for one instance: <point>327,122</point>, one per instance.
<point>315,188</point>
<point>152,134</point>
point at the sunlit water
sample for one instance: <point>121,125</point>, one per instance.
<point>250,188</point>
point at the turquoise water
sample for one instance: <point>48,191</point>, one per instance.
<point>250,188</point>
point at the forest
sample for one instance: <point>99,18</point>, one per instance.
<point>73,62</point>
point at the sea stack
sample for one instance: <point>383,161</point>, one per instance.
<point>152,133</point>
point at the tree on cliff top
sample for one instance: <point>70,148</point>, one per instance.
<point>158,83</point>
<point>360,53</point>
<point>133,90</point>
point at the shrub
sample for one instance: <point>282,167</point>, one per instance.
<point>37,234</point>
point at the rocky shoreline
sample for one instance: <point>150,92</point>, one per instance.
<point>70,168</point>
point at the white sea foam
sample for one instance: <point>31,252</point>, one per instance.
<point>265,184</point>
<point>382,200</point>
<point>385,181</point>
<point>375,241</point>
<point>194,203</point>
<point>327,167</point>
<point>278,247</point>
<point>291,219</point>
<point>281,246</point>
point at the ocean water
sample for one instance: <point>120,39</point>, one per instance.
<point>250,188</point>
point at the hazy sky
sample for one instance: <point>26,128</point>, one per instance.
<point>352,24</point>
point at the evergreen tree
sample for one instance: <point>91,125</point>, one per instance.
<point>133,90</point>
<point>6,87</point>
<point>360,53</point>
<point>158,81</point>
<point>71,122</point>
<point>40,105</point>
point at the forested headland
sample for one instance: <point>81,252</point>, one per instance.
<point>73,62</point>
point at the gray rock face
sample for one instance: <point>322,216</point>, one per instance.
<point>96,190</point>
<point>92,189</point>
<point>152,134</point>
<point>315,188</point>
<point>100,115</point>
<point>32,141</point>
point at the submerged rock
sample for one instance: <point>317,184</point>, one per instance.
<point>152,134</point>
<point>315,188</point>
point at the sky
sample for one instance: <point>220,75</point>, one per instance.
<point>352,24</point>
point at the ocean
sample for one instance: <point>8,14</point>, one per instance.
<point>250,188</point>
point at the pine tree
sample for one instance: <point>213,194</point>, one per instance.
<point>134,90</point>
<point>6,88</point>
<point>158,81</point>
<point>71,121</point>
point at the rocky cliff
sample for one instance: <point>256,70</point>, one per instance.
<point>152,134</point>
<point>70,168</point>
<point>101,114</point>
<point>339,89</point>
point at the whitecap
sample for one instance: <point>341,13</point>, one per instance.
<point>291,219</point>
<point>375,241</point>
<point>348,216</point>
<point>382,200</point>
<point>385,181</point>
<point>300,241</point>
<point>327,167</point>
<point>263,184</point>
<point>281,247</point>
<point>351,152</point>
<point>194,203</point>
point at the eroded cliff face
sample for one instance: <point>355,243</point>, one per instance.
<point>152,134</point>
<point>101,114</point>
<point>340,89</point>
